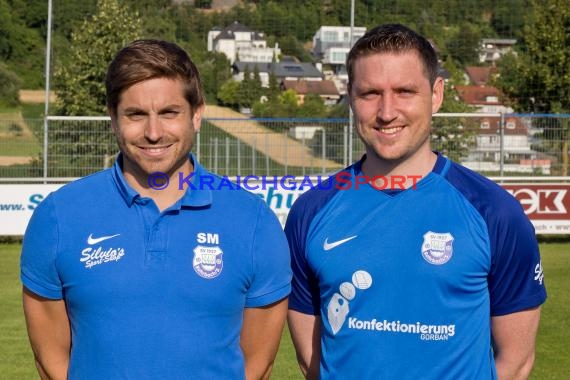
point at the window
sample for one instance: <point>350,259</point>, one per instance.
<point>485,125</point>
<point>293,69</point>
<point>338,56</point>
<point>330,36</point>
<point>510,124</point>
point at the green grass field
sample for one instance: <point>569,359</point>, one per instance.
<point>553,351</point>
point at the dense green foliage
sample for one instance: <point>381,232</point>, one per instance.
<point>80,73</point>
<point>536,79</point>
<point>451,136</point>
<point>453,24</point>
<point>9,87</point>
<point>79,82</point>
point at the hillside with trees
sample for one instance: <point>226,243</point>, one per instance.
<point>455,26</point>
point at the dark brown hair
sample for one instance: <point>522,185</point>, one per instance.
<point>148,59</point>
<point>393,38</point>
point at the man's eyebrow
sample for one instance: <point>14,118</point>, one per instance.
<point>171,107</point>
<point>133,110</point>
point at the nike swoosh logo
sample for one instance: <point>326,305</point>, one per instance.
<point>91,240</point>
<point>328,246</point>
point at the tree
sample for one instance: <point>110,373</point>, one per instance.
<point>288,104</point>
<point>228,93</point>
<point>9,87</point>
<point>453,136</point>
<point>284,105</point>
<point>21,47</point>
<point>273,90</point>
<point>464,45</point>
<point>79,85</point>
<point>250,87</point>
<point>537,79</point>
<point>214,71</point>
<point>313,106</point>
<point>245,96</point>
<point>79,78</point>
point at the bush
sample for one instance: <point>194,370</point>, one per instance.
<point>9,87</point>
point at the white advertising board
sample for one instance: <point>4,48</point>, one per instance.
<point>17,203</point>
<point>547,205</point>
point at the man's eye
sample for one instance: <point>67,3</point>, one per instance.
<point>405,92</point>
<point>170,114</point>
<point>135,115</point>
<point>368,95</point>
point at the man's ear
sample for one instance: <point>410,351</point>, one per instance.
<point>437,95</point>
<point>197,118</point>
<point>113,117</point>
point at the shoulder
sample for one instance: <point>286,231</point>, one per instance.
<point>311,202</point>
<point>488,197</point>
<point>91,185</point>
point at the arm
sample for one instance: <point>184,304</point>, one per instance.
<point>49,333</point>
<point>514,338</point>
<point>260,336</point>
<point>305,333</point>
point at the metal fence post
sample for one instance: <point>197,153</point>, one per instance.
<point>198,146</point>
<point>285,153</point>
<point>350,145</point>
<point>324,146</point>
<point>227,155</point>
<point>253,148</point>
<point>215,154</point>
<point>303,141</point>
<point>238,143</point>
<point>345,146</point>
<point>502,144</point>
<point>45,147</point>
<point>266,156</point>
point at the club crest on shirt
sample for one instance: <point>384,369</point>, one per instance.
<point>208,262</point>
<point>437,248</point>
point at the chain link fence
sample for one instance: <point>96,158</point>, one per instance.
<point>492,144</point>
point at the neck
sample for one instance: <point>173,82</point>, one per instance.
<point>162,197</point>
<point>403,173</point>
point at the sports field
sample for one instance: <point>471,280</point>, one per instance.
<point>553,351</point>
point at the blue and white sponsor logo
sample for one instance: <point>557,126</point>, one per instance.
<point>437,248</point>
<point>338,306</point>
<point>539,273</point>
<point>208,262</point>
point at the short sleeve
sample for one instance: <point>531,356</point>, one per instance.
<point>38,271</point>
<point>516,279</point>
<point>305,297</point>
<point>271,263</point>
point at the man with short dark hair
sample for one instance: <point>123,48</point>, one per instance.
<point>440,280</point>
<point>123,280</point>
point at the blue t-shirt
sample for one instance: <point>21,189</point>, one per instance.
<point>150,294</point>
<point>406,282</point>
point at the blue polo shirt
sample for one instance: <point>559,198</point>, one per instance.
<point>150,294</point>
<point>406,282</point>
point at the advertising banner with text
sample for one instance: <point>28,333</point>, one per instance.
<point>547,205</point>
